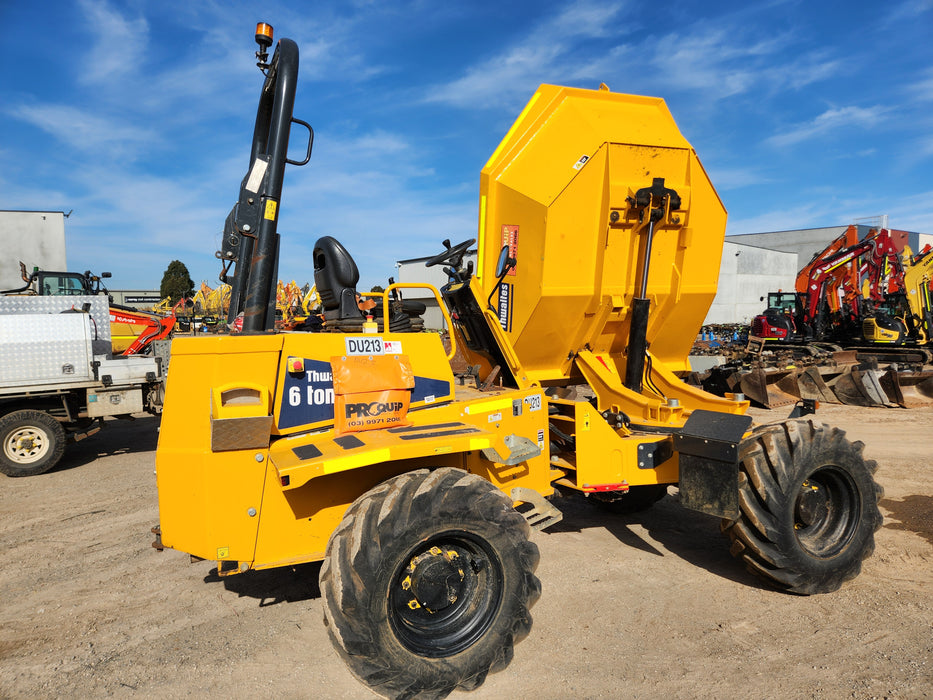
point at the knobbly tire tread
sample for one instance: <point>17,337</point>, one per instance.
<point>773,463</point>
<point>365,550</point>
<point>54,432</point>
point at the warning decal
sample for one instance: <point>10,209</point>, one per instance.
<point>580,163</point>
<point>271,206</point>
<point>510,239</point>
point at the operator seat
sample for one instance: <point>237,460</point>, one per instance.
<point>336,277</point>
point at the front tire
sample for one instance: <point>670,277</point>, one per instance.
<point>809,507</point>
<point>31,443</point>
<point>427,583</point>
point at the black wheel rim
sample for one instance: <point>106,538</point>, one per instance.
<point>459,575</point>
<point>826,512</point>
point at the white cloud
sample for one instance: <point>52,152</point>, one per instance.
<point>136,223</point>
<point>808,69</point>
<point>711,61</point>
<point>784,219</point>
<point>535,59</point>
<point>378,142</point>
<point>922,89</point>
<point>925,146</point>
<point>828,121</point>
<point>373,192</point>
<point>716,59</point>
<point>913,212</point>
<point>733,178</point>
<point>723,60</point>
<point>84,130</point>
<point>906,11</point>
<point>118,43</point>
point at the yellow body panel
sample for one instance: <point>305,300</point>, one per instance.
<point>606,457</point>
<point>205,496</point>
<point>917,280</point>
<point>572,159</point>
<point>874,333</point>
<point>224,496</point>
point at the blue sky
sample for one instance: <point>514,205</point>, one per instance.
<point>138,115</point>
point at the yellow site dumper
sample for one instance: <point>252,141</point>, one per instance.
<point>598,253</point>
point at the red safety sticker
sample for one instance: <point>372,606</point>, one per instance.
<point>510,238</point>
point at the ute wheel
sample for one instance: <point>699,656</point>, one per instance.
<point>31,443</point>
<point>427,583</point>
<point>809,507</point>
<point>635,500</point>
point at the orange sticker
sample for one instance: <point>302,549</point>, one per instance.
<point>371,410</point>
<point>371,392</point>
<point>510,239</point>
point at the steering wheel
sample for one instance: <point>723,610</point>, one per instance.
<point>451,256</point>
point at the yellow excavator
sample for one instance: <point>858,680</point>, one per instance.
<point>599,243</point>
<point>911,311</point>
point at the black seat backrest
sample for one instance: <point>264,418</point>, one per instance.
<point>336,276</point>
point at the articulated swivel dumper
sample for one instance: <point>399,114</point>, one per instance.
<point>599,244</point>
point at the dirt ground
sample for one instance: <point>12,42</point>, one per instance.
<point>646,606</point>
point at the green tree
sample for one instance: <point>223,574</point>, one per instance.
<point>176,282</point>
<point>376,288</point>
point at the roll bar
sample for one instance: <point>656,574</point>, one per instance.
<point>251,239</point>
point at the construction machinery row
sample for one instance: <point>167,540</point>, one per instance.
<point>856,330</point>
<point>599,241</point>
<point>870,291</point>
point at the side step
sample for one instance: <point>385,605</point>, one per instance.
<point>542,513</point>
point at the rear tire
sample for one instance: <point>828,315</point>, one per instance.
<point>31,443</point>
<point>427,583</point>
<point>809,507</point>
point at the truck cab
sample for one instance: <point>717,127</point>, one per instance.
<point>53,283</point>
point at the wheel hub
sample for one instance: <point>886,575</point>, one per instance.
<point>446,594</point>
<point>25,445</point>
<point>435,579</point>
<point>812,505</point>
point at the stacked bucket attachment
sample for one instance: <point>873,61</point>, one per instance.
<point>839,378</point>
<point>908,389</point>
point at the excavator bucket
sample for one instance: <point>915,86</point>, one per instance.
<point>807,384</point>
<point>845,357</point>
<point>908,389</point>
<point>720,381</point>
<point>762,386</point>
<point>857,387</point>
<point>789,384</point>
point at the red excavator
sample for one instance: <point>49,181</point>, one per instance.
<point>839,289</point>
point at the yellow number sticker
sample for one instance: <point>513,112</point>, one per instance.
<point>270,209</point>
